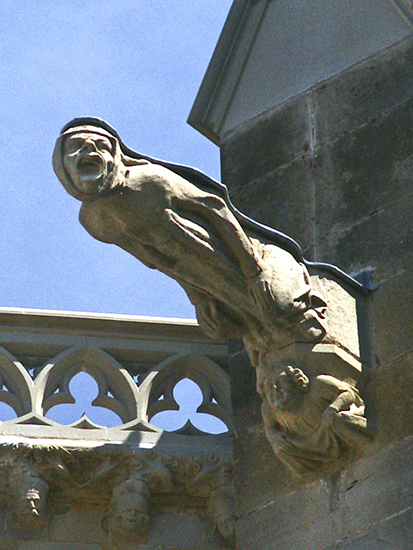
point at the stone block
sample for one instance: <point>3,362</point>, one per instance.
<point>383,241</point>
<point>364,92</point>
<point>342,321</point>
<point>177,529</point>
<point>376,488</point>
<point>79,524</point>
<point>363,174</point>
<point>394,533</point>
<point>263,145</point>
<point>299,521</point>
<point>259,476</point>
<point>282,199</point>
<point>390,394</point>
<point>392,317</point>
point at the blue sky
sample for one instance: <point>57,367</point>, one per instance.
<point>136,63</point>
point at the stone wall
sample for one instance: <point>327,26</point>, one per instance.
<point>333,169</point>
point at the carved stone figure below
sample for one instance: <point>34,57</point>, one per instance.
<point>240,287</point>
<point>312,422</point>
<point>28,495</point>
<point>129,511</point>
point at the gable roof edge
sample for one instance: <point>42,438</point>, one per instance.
<point>218,69</point>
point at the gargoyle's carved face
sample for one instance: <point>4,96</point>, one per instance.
<point>88,159</point>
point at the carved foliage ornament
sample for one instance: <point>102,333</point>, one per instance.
<point>124,479</point>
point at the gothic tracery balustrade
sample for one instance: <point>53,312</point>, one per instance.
<point>134,393</point>
<point>137,367</point>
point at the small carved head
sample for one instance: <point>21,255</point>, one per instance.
<point>130,506</point>
<point>29,500</point>
<point>288,388</point>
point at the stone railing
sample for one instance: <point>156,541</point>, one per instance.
<point>127,477</point>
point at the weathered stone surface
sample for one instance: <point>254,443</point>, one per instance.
<point>363,93</point>
<point>383,241</point>
<point>186,530</point>
<point>343,312</point>
<point>354,175</point>
<point>299,521</point>
<point>391,400</point>
<point>370,501</point>
<point>275,141</point>
<point>376,488</point>
<point>364,173</point>
<point>279,207</point>
<point>392,311</point>
<point>80,524</point>
<point>394,533</point>
<point>344,196</point>
<point>258,474</point>
<point>48,545</point>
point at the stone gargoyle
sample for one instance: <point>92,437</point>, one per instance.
<point>244,279</point>
<point>177,220</point>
